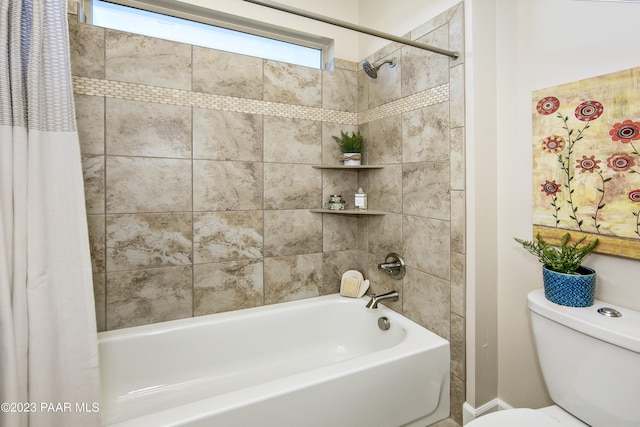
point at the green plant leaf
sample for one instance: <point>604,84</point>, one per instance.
<point>566,258</point>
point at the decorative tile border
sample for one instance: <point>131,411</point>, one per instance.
<point>419,100</point>
<point>136,92</point>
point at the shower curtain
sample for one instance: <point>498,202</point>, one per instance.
<point>48,344</point>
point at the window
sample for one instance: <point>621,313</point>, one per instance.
<point>202,27</point>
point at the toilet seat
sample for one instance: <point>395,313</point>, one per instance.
<point>521,417</point>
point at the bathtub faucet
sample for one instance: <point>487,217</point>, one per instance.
<point>375,299</point>
<point>388,267</point>
<point>393,265</point>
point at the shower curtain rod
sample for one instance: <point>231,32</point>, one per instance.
<point>353,27</point>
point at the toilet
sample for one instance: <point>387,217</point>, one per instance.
<point>590,361</point>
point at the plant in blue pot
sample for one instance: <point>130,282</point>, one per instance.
<point>566,280</point>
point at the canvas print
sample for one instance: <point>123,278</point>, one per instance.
<point>586,163</point>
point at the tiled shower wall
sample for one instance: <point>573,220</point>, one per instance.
<point>199,182</point>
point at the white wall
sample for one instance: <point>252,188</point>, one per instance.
<point>543,43</point>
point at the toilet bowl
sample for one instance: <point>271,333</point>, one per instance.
<point>599,390</point>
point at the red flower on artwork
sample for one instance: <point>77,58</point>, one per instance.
<point>550,187</point>
<point>588,164</point>
<point>548,105</point>
<point>634,195</point>
<point>553,144</point>
<point>625,131</point>
<point>620,162</point>
<point>589,110</point>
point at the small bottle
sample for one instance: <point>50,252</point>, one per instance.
<point>361,200</point>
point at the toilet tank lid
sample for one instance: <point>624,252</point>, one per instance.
<point>621,331</point>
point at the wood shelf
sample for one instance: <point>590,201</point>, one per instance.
<point>348,212</point>
<point>358,167</point>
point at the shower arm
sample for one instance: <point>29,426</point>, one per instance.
<point>353,27</point>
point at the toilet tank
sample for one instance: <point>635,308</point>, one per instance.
<point>590,362</point>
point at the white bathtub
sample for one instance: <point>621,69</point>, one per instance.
<point>316,362</point>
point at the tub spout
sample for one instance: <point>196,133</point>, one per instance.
<point>375,299</point>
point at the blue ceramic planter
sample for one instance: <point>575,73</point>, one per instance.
<point>573,290</point>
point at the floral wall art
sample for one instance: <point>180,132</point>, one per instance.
<point>586,163</point>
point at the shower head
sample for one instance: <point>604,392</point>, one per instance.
<point>372,69</point>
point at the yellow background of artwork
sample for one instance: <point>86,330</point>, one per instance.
<point>619,93</point>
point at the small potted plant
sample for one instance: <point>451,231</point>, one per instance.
<point>566,280</point>
<point>351,147</point>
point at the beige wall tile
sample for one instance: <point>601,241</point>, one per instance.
<point>227,135</point>
<point>90,119</point>
<point>291,186</point>
<point>147,60</point>
<point>233,75</point>
<point>227,286</point>
<point>148,240</point>
<point>425,190</point>
<point>137,128</point>
<point>340,90</point>
<point>384,191</point>
<point>94,188</point>
<point>136,184</point>
<point>458,288</point>
<point>140,297</point>
<point>339,232</point>
<point>97,242</point>
<point>457,346</point>
<point>363,240</point>
<point>384,138</point>
<point>227,236</point>
<point>456,81</point>
<point>292,140</point>
<point>290,278</point>
<point>426,134</point>
<point>456,34</point>
<point>227,186</point>
<point>426,301</point>
<point>457,159</point>
<point>99,295</point>
<point>385,235</point>
<point>290,232</point>
<point>427,245</point>
<point>363,90</point>
<point>422,69</point>
<point>457,397</point>
<point>87,46</point>
<point>334,264</point>
<point>292,84</point>
<point>458,223</point>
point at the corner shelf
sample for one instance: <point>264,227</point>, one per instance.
<point>358,167</point>
<point>348,212</point>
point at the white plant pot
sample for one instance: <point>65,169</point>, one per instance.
<point>351,162</point>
